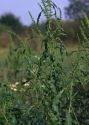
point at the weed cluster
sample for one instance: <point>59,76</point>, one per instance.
<point>52,87</point>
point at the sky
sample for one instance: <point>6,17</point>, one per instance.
<point>21,7</point>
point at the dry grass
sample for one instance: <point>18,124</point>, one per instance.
<point>3,51</point>
<point>3,68</point>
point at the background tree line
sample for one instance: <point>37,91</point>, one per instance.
<point>74,15</point>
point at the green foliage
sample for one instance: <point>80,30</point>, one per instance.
<point>11,21</point>
<point>72,29</point>
<point>76,8</point>
<point>55,87</point>
<point>85,28</point>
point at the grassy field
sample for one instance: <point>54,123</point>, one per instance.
<point>3,67</point>
<point>5,51</point>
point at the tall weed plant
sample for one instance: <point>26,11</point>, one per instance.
<point>55,87</point>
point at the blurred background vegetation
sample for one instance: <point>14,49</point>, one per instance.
<point>74,13</point>
<point>12,30</point>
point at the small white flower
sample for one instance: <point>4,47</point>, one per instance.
<point>37,57</point>
<point>44,61</point>
<point>14,89</point>
<point>43,86</point>
<point>17,83</point>
<point>13,85</point>
<point>26,84</point>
